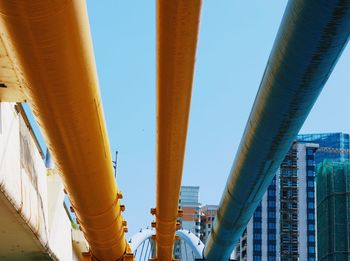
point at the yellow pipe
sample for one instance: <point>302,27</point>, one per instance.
<point>50,45</point>
<point>177,33</point>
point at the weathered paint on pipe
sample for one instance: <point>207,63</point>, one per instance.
<point>50,45</point>
<point>177,33</point>
<point>310,40</point>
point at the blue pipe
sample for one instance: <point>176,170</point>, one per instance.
<point>310,40</point>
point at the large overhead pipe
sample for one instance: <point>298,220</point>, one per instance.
<point>177,33</point>
<point>50,45</point>
<point>310,40</point>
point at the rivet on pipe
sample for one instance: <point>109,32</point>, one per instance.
<point>122,208</point>
<point>119,195</point>
<point>153,224</point>
<point>153,211</point>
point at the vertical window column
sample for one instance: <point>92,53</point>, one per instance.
<point>257,231</point>
<point>310,192</point>
<point>271,221</point>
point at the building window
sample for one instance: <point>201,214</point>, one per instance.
<point>310,173</point>
<point>310,194</point>
<point>311,238</point>
<point>209,225</point>
<point>271,192</point>
<point>272,214</point>
<point>257,225</point>
<point>311,227</point>
<point>271,237</point>
<point>310,205</point>
<point>257,247</point>
<point>311,216</point>
<point>257,258</point>
<point>271,204</point>
<point>271,258</point>
<point>257,236</point>
<point>310,184</point>
<point>312,250</point>
<point>310,162</point>
<point>257,213</point>
<point>271,225</point>
<point>271,248</point>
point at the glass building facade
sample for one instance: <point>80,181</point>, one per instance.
<point>337,140</point>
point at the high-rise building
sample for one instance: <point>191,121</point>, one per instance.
<point>207,216</point>
<point>333,211</point>
<point>283,225</point>
<point>189,203</point>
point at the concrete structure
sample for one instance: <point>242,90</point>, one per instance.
<point>283,225</point>
<point>207,216</point>
<point>34,224</point>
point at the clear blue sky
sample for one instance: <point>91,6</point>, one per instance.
<point>234,44</point>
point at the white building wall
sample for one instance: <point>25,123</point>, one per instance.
<point>22,171</point>
<point>33,220</point>
<point>60,231</point>
<point>302,202</point>
<point>250,240</point>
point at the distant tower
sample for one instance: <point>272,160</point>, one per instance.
<point>189,203</point>
<point>208,213</point>
<point>333,211</point>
